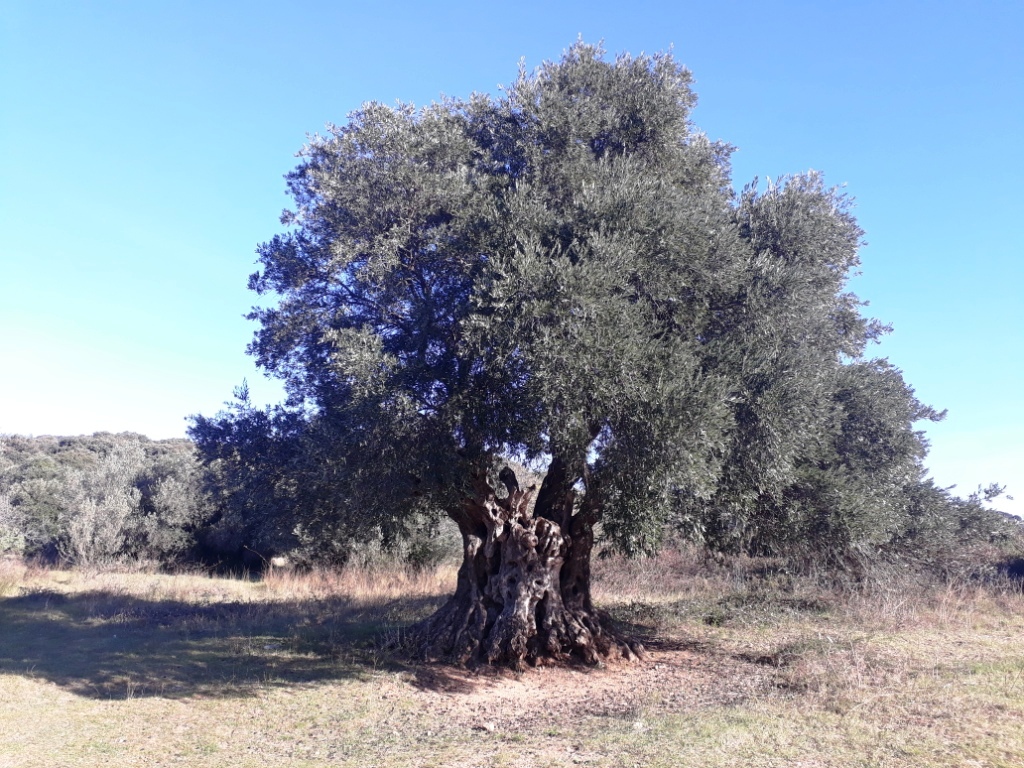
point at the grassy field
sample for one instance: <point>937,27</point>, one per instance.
<point>743,668</point>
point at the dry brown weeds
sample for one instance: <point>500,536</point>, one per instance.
<point>747,663</point>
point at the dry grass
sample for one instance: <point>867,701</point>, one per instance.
<point>746,666</point>
<point>369,585</point>
<point>11,575</point>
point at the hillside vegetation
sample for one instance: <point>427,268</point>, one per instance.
<point>115,500</point>
<point>99,499</point>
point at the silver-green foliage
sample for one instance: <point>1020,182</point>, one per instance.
<point>101,498</point>
<point>99,504</point>
<point>12,536</point>
<point>529,275</point>
<point>564,274</point>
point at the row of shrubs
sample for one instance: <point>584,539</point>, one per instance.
<point>117,498</point>
<point>100,498</point>
<point>106,498</point>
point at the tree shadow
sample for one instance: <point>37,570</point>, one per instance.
<point>449,679</point>
<point>107,645</point>
<point>1013,570</point>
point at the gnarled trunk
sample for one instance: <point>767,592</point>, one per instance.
<point>523,592</point>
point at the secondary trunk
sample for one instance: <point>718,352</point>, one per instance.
<point>523,592</point>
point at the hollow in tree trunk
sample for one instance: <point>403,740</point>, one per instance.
<point>523,591</point>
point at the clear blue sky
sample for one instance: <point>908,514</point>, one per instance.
<point>142,146</point>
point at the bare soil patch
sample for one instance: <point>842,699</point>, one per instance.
<point>671,679</point>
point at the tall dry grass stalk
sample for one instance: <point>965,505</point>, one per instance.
<point>362,584</point>
<point>12,574</point>
<point>358,585</point>
<point>882,596</point>
<point>684,582</point>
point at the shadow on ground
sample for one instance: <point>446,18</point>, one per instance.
<point>113,646</point>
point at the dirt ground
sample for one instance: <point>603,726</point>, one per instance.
<point>671,678</point>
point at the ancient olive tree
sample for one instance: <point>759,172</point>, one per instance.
<point>562,275</point>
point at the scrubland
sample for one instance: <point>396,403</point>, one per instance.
<point>746,664</point>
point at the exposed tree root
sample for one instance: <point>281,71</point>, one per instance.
<point>523,592</point>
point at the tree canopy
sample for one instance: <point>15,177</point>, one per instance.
<point>564,275</point>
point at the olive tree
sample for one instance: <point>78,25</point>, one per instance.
<point>564,276</point>
<point>99,504</point>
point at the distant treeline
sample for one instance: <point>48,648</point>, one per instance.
<point>120,498</point>
<point>110,498</point>
<point>100,498</point>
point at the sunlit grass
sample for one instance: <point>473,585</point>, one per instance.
<point>11,575</point>
<point>746,666</point>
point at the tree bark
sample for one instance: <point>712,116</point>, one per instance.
<point>523,590</point>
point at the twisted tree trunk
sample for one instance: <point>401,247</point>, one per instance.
<point>523,591</point>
